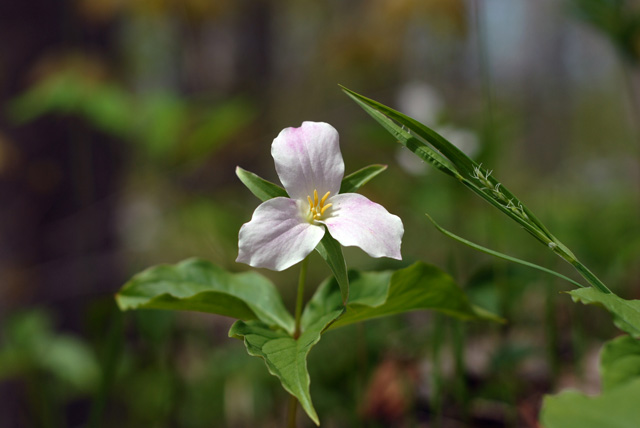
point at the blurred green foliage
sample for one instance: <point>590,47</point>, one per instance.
<point>165,127</point>
<point>615,407</point>
<point>618,20</point>
<point>186,100</point>
<point>31,345</point>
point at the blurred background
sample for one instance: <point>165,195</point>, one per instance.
<point>121,123</point>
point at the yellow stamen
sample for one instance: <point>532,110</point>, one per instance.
<point>317,208</point>
<point>324,198</point>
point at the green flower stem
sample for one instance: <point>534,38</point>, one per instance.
<point>293,401</point>
<point>300,297</point>
<point>293,406</point>
<point>591,277</point>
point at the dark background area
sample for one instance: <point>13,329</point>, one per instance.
<point>121,123</point>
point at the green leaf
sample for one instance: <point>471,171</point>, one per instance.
<point>498,254</point>
<point>285,356</point>
<point>261,188</point>
<point>626,313</point>
<point>354,181</point>
<point>432,147</point>
<point>617,408</point>
<point>377,294</point>
<point>331,252</point>
<point>417,137</point>
<point>619,362</point>
<point>414,136</point>
<point>198,285</point>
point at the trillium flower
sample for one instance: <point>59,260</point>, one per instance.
<point>283,231</point>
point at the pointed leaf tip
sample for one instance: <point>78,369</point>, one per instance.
<point>354,181</point>
<point>286,357</point>
<point>261,188</point>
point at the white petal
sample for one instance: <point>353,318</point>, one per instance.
<point>355,220</point>
<point>307,159</point>
<point>277,237</point>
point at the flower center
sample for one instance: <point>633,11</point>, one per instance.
<point>317,207</point>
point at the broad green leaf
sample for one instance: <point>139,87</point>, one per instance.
<point>377,294</point>
<point>285,356</point>
<point>619,362</point>
<point>617,408</point>
<point>331,252</point>
<point>261,188</point>
<point>354,181</point>
<point>198,285</point>
<point>626,313</point>
<point>498,254</point>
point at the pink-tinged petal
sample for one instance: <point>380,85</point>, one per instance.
<point>355,220</point>
<point>308,158</point>
<point>277,237</point>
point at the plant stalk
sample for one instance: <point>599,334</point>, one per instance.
<point>293,406</point>
<point>570,258</point>
<point>293,401</point>
<point>437,338</point>
<point>591,277</point>
<point>300,296</point>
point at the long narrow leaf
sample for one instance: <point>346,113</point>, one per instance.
<point>500,255</point>
<point>464,166</point>
<point>462,162</point>
<point>417,137</point>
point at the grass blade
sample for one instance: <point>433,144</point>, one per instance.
<point>501,255</point>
